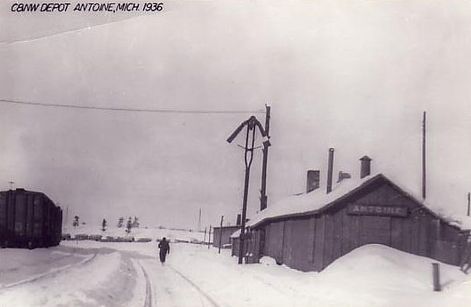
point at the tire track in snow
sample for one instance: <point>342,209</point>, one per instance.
<point>148,299</point>
<point>272,286</point>
<point>213,303</point>
<point>48,274</point>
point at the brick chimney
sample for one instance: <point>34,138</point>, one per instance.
<point>343,175</point>
<point>365,166</point>
<point>239,219</point>
<point>313,180</point>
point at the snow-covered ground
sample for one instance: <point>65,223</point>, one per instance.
<point>89,273</point>
<point>138,233</point>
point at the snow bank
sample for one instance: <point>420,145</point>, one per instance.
<point>377,275</point>
<point>105,279</point>
<point>19,265</point>
<point>378,266</point>
<point>372,275</point>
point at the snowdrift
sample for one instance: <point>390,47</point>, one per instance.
<point>378,266</point>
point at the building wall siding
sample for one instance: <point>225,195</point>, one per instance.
<point>298,245</point>
<point>311,243</point>
<point>226,233</point>
<point>274,241</point>
<point>319,246</point>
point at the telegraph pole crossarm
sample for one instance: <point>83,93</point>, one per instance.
<point>250,126</point>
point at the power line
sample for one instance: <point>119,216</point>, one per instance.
<point>127,109</point>
<point>78,29</point>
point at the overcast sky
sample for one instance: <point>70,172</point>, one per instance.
<point>353,75</point>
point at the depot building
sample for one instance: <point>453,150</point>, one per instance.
<point>311,230</point>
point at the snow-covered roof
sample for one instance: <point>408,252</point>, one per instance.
<point>313,202</point>
<point>236,234</point>
<point>461,221</point>
<point>227,227</point>
<point>308,202</point>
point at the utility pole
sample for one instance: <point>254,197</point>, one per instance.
<point>209,236</point>
<point>469,203</point>
<point>263,190</point>
<point>250,125</point>
<point>67,215</point>
<point>424,174</point>
<point>220,235</point>
<point>199,221</point>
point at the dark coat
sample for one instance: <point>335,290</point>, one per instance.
<point>164,247</point>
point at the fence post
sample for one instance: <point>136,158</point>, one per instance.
<point>436,277</point>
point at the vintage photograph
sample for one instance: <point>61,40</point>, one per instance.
<point>191,153</point>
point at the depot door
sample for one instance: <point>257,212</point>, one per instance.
<point>375,229</point>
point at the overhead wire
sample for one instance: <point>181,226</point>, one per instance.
<point>128,109</point>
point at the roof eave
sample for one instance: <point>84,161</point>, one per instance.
<point>326,206</point>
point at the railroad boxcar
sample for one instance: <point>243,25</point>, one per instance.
<point>29,219</point>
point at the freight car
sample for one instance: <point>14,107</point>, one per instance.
<point>28,220</point>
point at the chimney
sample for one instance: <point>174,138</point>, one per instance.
<point>330,170</point>
<point>343,175</point>
<point>313,179</point>
<point>239,219</point>
<point>365,166</point>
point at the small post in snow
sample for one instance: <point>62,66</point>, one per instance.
<point>204,239</point>
<point>436,277</point>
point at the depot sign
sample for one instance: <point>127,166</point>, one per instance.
<point>356,209</point>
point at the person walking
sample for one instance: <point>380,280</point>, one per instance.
<point>164,249</point>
